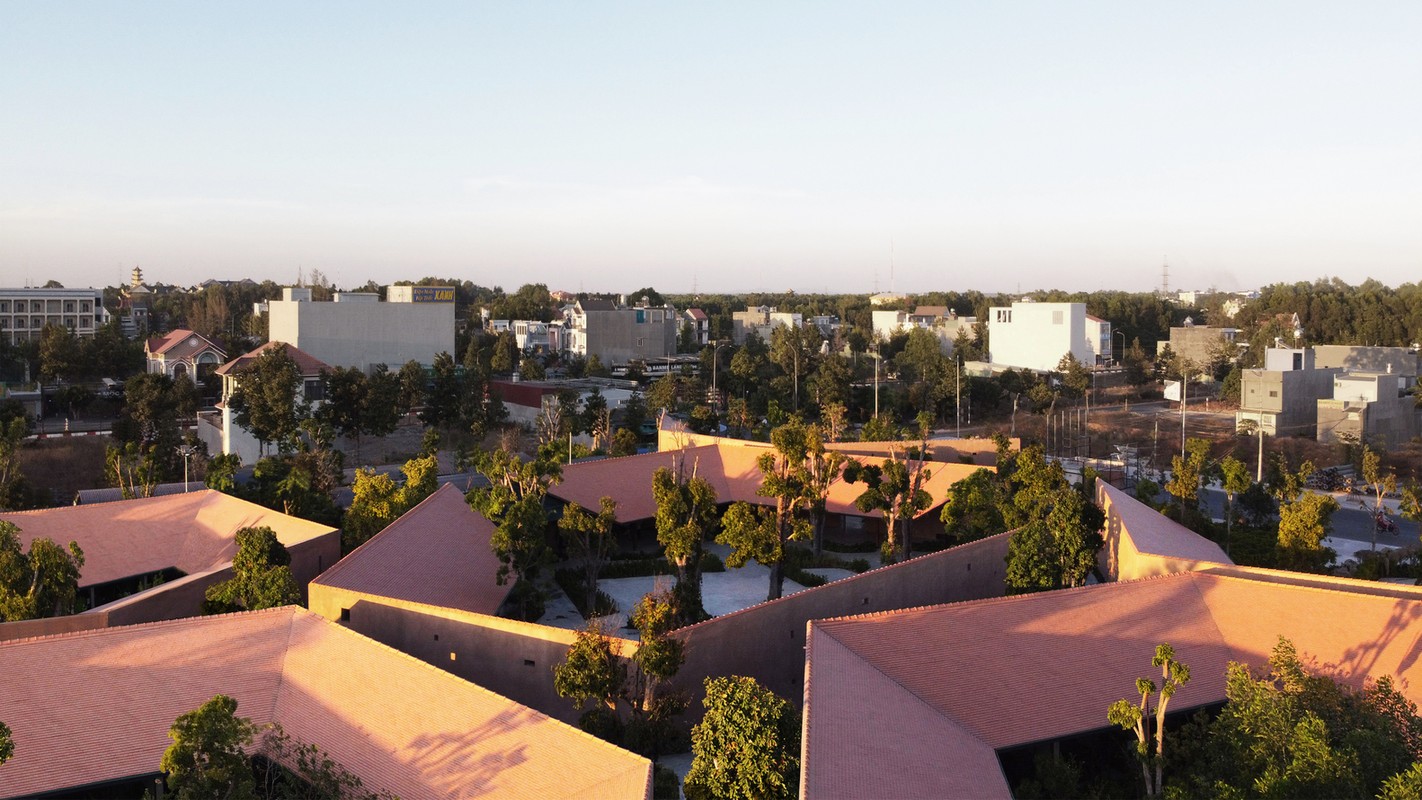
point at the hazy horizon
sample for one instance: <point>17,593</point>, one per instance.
<point>814,147</point>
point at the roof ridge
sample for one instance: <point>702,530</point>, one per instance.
<point>117,628</point>
<point>1003,599</point>
<point>164,497</point>
<point>281,672</point>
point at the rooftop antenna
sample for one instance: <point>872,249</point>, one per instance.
<point>891,266</point>
<point>1165,277</point>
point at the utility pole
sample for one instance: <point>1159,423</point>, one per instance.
<point>1259,474</point>
<point>958,395</point>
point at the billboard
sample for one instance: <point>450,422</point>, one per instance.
<point>432,294</point>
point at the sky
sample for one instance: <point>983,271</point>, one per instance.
<point>716,147</point>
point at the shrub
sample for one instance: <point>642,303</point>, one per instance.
<point>710,562</point>
<point>665,784</point>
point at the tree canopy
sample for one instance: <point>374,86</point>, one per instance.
<point>40,582</point>
<point>747,746</point>
<point>208,757</point>
<point>261,576</point>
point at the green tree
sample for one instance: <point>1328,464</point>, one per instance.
<point>589,541</point>
<point>513,501</point>
<point>1236,480</point>
<point>347,393</point>
<point>764,534</point>
<point>261,576</point>
<point>12,434</point>
<point>208,758</point>
<point>973,510</point>
<point>7,743</point>
<point>1185,477</point>
<point>1382,482</point>
<point>59,354</point>
<point>377,500</point>
<point>747,746</point>
<point>267,400</point>
<point>222,472</point>
<point>593,672</point>
<point>43,582</point>
<point>895,489</point>
<point>1150,748</point>
<point>686,514</point>
<point>1303,525</point>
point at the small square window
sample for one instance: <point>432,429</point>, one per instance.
<point>345,615</point>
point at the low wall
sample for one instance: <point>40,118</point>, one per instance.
<point>767,641</point>
<point>514,659</point>
<point>52,626</point>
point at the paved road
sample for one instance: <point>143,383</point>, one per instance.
<point>1350,523</point>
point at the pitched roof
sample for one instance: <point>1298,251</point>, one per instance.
<point>1016,670</point>
<point>180,344</point>
<point>931,311</point>
<point>436,553</point>
<point>696,313</point>
<point>96,706</point>
<point>596,304</point>
<point>194,532</point>
<point>1156,534</point>
<point>728,465</point>
<point>306,363</point>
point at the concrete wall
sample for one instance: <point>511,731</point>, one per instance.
<point>767,641</point>
<point>512,658</point>
<point>1286,399</point>
<point>1198,343</point>
<point>1036,335</point>
<point>364,334</point>
<point>1171,548</point>
<point>1383,423</point>
<point>1398,360</point>
<point>616,337</point>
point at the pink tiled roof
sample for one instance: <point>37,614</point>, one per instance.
<point>306,363</point>
<point>96,706</point>
<point>1154,533</point>
<point>696,313</point>
<point>1017,670</point>
<point>437,553</point>
<point>193,532</point>
<point>730,467</point>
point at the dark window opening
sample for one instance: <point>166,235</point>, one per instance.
<point>528,662</point>
<point>345,615</point>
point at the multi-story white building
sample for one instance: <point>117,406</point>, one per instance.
<point>355,329</point>
<point>618,334</point>
<point>25,312</point>
<point>219,429</point>
<point>942,321</point>
<point>1035,336</point>
<point>762,321</point>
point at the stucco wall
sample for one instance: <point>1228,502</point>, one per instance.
<point>1170,547</point>
<point>364,334</point>
<point>767,641</point>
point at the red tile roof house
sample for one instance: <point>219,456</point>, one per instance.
<point>219,429</point>
<point>188,538</point>
<point>92,709</point>
<point>183,352</point>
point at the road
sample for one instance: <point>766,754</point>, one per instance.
<point>1351,524</point>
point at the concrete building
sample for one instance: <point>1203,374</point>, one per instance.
<point>1374,408</point>
<point>1200,343</point>
<point>619,334</point>
<point>760,320</point>
<point>700,326</point>
<point>1395,360</point>
<point>183,352</point>
<point>25,312</point>
<point>1282,399</point>
<point>355,329</point>
<point>942,321</point>
<point>1035,336</point>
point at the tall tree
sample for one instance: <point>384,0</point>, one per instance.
<point>7,743</point>
<point>764,535</point>
<point>1303,525</point>
<point>1186,475</point>
<point>1382,482</point>
<point>973,509</point>
<point>895,489</point>
<point>12,434</point>
<point>208,757</point>
<point>268,399</point>
<point>589,541</point>
<point>43,582</point>
<point>686,514</point>
<point>747,746</point>
<point>261,576</point>
<point>1234,475</point>
<point>1150,749</point>
<point>513,501</point>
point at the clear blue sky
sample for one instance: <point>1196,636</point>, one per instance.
<point>736,146</point>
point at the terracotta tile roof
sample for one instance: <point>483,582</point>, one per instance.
<point>1017,670</point>
<point>696,313</point>
<point>730,467</point>
<point>931,311</point>
<point>437,553</point>
<point>308,364</point>
<point>97,706</point>
<point>181,344</point>
<point>193,532</point>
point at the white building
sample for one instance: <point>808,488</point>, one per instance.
<point>355,329</point>
<point>1035,336</point>
<point>183,352</point>
<point>761,320</point>
<point>942,321</point>
<point>219,429</point>
<point>25,312</point>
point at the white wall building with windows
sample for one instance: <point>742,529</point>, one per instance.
<point>25,312</point>
<point>1035,336</point>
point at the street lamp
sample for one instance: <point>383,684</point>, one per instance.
<point>187,451</point>
<point>716,350</point>
<point>1122,352</point>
